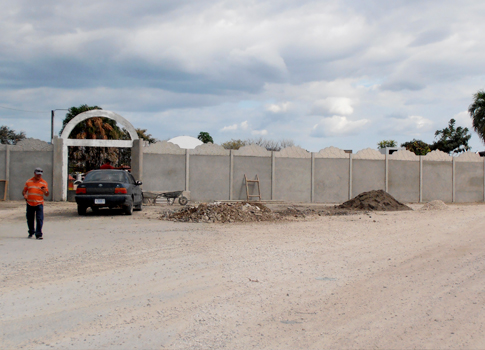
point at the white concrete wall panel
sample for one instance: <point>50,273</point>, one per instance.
<point>22,166</point>
<point>293,179</point>
<point>163,172</point>
<point>209,177</point>
<point>368,175</point>
<point>438,181</point>
<point>331,180</point>
<point>251,166</point>
<point>404,180</point>
<point>469,181</point>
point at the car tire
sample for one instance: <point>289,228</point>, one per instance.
<point>139,207</point>
<point>128,209</point>
<point>81,209</point>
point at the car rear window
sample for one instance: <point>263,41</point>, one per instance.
<point>106,175</point>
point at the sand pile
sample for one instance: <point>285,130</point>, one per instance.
<point>434,205</point>
<point>374,200</point>
<point>222,212</point>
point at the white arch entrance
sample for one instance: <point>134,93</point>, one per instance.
<point>61,144</point>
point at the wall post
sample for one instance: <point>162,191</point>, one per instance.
<point>420,179</point>
<point>231,173</point>
<point>7,172</point>
<point>272,175</point>
<point>453,180</point>
<point>58,168</point>
<point>350,176</point>
<point>187,168</point>
<point>137,159</point>
<point>312,194</point>
<point>386,170</point>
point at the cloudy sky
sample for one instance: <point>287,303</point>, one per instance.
<point>344,73</point>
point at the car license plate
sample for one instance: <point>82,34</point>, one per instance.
<point>99,201</point>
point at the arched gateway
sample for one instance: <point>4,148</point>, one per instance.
<point>61,143</point>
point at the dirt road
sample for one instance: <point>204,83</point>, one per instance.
<point>394,280</point>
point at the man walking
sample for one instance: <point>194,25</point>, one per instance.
<point>34,191</point>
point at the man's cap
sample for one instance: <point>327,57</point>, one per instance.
<point>38,171</point>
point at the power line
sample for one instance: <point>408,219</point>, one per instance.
<point>23,110</point>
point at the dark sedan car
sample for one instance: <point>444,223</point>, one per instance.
<point>109,188</point>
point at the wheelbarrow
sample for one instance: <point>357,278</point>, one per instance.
<point>172,196</point>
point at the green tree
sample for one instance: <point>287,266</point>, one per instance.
<point>205,137</point>
<point>386,143</point>
<point>87,158</point>
<point>418,147</point>
<point>142,134</point>
<point>234,144</point>
<point>451,139</point>
<point>9,136</point>
<point>477,113</point>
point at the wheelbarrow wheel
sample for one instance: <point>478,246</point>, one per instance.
<point>183,200</point>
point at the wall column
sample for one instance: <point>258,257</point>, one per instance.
<point>453,180</point>
<point>312,194</point>
<point>231,173</point>
<point>420,179</point>
<point>7,171</point>
<point>137,159</point>
<point>350,176</point>
<point>272,175</point>
<point>58,168</point>
<point>387,172</point>
<point>187,170</point>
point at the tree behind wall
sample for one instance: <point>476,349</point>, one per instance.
<point>452,139</point>
<point>9,136</point>
<point>83,159</point>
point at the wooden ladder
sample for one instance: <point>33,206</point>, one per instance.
<point>248,196</point>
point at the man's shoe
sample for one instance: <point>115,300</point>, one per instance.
<point>39,238</point>
<point>30,236</point>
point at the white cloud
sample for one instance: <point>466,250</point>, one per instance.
<point>333,105</point>
<point>243,126</point>
<point>338,126</point>
<point>411,126</point>
<point>278,108</point>
<point>259,132</point>
<point>464,120</point>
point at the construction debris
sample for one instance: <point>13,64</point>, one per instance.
<point>434,205</point>
<point>374,200</point>
<point>222,212</point>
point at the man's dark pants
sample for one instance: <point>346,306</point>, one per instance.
<point>37,212</point>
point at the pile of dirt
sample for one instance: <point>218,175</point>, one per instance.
<point>374,200</point>
<point>435,205</point>
<point>222,212</point>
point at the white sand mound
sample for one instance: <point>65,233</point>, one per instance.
<point>435,205</point>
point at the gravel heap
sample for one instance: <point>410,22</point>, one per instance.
<point>222,212</point>
<point>374,200</point>
<point>434,205</point>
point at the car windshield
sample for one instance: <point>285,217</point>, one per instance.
<point>106,175</point>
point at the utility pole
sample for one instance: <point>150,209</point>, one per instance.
<point>52,121</point>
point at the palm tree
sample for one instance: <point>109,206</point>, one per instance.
<point>477,112</point>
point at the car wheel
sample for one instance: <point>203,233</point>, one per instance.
<point>128,209</point>
<point>81,210</point>
<point>183,200</point>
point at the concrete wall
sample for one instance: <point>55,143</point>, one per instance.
<point>251,166</point>
<point>163,172</point>
<point>404,180</point>
<point>209,177</point>
<point>331,180</point>
<point>469,181</point>
<point>210,172</point>
<point>368,175</point>
<point>3,169</point>
<point>437,181</point>
<point>22,165</point>
<point>293,179</point>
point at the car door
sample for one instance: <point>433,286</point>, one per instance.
<point>136,189</point>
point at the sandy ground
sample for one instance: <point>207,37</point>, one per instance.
<point>394,280</point>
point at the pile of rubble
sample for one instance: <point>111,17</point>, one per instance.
<point>435,205</point>
<point>374,200</point>
<point>222,212</point>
